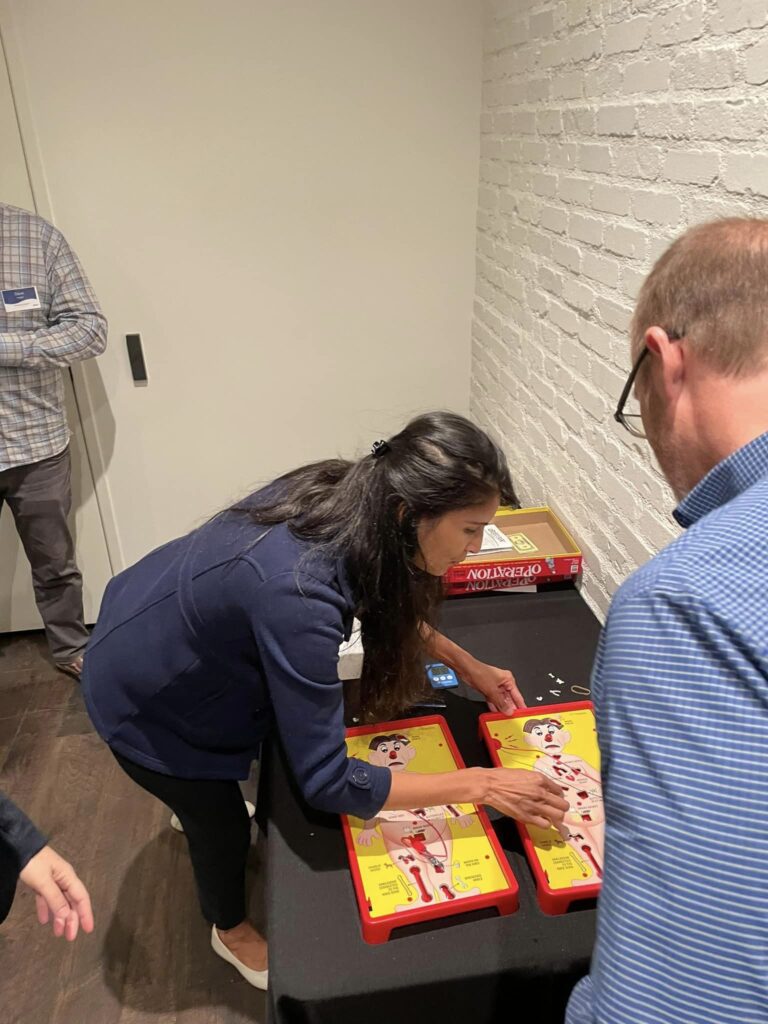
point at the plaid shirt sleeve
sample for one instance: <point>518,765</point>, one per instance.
<point>77,327</point>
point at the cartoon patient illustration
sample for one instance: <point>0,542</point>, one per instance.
<point>419,842</point>
<point>583,827</point>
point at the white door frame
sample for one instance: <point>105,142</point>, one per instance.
<point>44,207</point>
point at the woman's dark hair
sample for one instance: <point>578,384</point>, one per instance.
<point>367,512</point>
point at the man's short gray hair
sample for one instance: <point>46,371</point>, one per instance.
<point>711,286</point>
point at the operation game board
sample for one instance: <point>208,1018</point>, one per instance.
<point>428,862</point>
<point>560,741</point>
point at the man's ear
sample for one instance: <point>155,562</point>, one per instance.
<point>670,357</point>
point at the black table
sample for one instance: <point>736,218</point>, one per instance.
<point>476,967</point>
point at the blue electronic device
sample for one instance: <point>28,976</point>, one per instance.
<point>441,677</point>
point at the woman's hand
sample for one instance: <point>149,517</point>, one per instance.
<point>58,893</point>
<point>497,685</point>
<point>527,796</point>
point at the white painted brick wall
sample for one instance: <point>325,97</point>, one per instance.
<point>608,126</point>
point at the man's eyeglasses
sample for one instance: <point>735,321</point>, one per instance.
<point>633,421</point>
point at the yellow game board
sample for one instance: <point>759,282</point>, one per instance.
<point>421,858</point>
<point>560,742</point>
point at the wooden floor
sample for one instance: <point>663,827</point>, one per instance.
<point>149,959</point>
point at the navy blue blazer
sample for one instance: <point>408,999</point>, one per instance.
<point>19,842</point>
<point>209,641</point>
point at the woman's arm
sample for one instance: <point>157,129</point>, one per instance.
<point>59,893</point>
<point>298,632</point>
<point>522,794</point>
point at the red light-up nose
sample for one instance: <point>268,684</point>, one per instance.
<point>392,755</point>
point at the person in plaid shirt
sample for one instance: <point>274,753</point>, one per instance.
<point>49,319</point>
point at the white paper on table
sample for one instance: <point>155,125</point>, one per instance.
<point>495,540</point>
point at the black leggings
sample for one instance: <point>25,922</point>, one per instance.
<point>218,831</point>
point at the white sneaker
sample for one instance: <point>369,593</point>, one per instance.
<point>259,979</point>
<point>175,823</point>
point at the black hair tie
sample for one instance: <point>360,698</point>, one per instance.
<point>379,448</point>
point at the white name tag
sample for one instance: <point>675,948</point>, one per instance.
<point>18,299</point>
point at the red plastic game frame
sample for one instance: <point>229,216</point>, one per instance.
<point>378,930</point>
<point>552,901</point>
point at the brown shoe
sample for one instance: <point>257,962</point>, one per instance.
<point>72,668</point>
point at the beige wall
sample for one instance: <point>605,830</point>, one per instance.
<point>607,129</point>
<point>280,196</point>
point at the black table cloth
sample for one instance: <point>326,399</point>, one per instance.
<point>475,967</point>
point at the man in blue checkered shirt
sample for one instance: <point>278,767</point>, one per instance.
<point>681,678</point>
<point>49,319</point>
